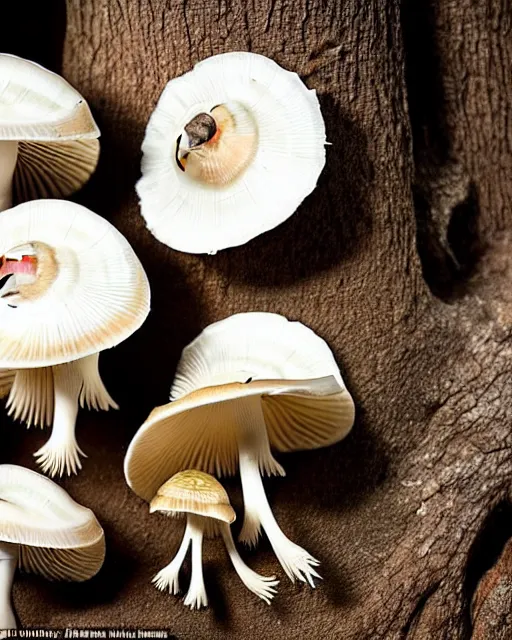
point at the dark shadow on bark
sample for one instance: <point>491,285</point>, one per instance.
<point>449,250</point>
<point>138,374</point>
<point>35,31</point>
<point>133,370</point>
<point>445,199</point>
<point>351,469</point>
<point>412,622</point>
<point>329,226</point>
<point>485,552</point>
<point>112,187</point>
<point>216,597</point>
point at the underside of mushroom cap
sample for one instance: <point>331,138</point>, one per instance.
<point>194,491</point>
<point>276,161</point>
<point>70,285</point>
<point>59,538</point>
<point>6,381</point>
<point>58,148</point>
<point>200,430</point>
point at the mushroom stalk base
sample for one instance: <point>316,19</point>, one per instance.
<point>168,577</point>
<point>61,453</point>
<point>254,455</point>
<point>8,159</point>
<point>74,383</point>
<point>196,595</point>
<point>263,587</point>
<point>9,554</point>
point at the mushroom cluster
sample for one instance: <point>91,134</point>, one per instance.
<point>230,152</point>
<point>247,384</point>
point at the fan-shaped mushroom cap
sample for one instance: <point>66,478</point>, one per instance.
<point>58,147</point>
<point>231,150</point>
<point>196,492</point>
<point>60,539</point>
<point>70,285</point>
<point>254,354</point>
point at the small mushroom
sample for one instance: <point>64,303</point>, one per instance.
<point>209,512</point>
<point>70,287</point>
<point>48,137</point>
<point>44,531</point>
<point>246,384</point>
<point>231,150</point>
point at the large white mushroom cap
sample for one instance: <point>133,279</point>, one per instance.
<point>283,365</point>
<point>266,154</point>
<point>70,285</point>
<point>59,538</point>
<point>58,147</point>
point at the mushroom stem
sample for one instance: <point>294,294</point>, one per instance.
<point>168,577</point>
<point>255,457</point>
<point>8,159</point>
<point>61,453</point>
<point>9,554</point>
<point>256,447</point>
<point>196,595</point>
<point>263,587</point>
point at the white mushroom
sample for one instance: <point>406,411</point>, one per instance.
<point>44,531</point>
<point>246,384</point>
<point>231,150</point>
<point>48,137</point>
<point>70,287</point>
<point>209,512</point>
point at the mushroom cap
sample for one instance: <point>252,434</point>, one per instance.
<point>193,491</point>
<point>90,291</point>
<point>257,345</point>
<point>59,538</point>
<point>304,402</point>
<point>58,147</point>
<point>289,154</point>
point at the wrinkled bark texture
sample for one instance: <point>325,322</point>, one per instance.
<point>400,259</point>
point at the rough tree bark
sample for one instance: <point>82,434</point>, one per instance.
<point>400,260</point>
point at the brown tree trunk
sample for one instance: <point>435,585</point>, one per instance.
<point>401,260</point>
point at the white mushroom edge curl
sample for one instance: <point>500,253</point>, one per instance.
<point>44,531</point>
<point>70,287</point>
<point>209,512</point>
<point>241,388</point>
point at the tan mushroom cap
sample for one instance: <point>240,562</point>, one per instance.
<point>59,538</point>
<point>193,491</point>
<point>89,290</point>
<point>58,147</point>
<point>199,431</point>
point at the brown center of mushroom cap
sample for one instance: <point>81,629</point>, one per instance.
<point>200,129</point>
<point>27,271</point>
<point>198,483</point>
<point>219,146</point>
